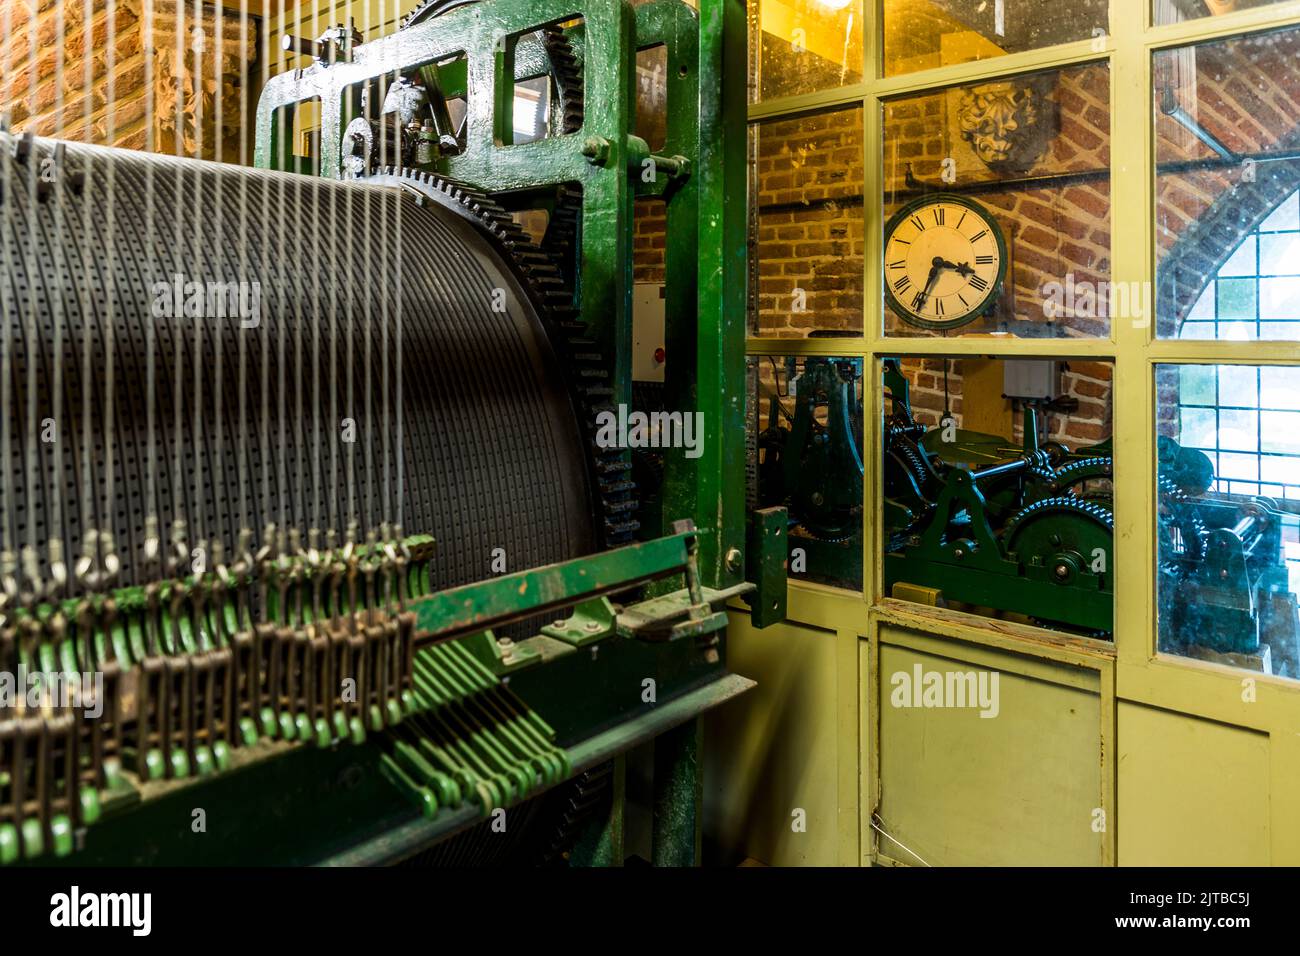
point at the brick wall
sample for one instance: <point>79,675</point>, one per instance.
<point>648,241</point>
<point>808,224</point>
<point>118,60</point>
<point>1089,383</point>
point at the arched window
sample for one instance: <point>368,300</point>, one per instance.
<point>1247,418</point>
<point>1256,292</point>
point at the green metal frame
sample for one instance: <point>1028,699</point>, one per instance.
<point>706,259</point>
<point>491,721</point>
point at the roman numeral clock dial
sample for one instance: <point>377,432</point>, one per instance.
<point>945,260</point>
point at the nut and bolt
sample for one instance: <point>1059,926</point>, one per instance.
<point>597,149</point>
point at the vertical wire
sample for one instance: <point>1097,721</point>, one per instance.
<point>179,511</point>
<point>350,360</point>
<point>299,311</point>
<point>397,316</point>
<point>397,319</point>
<point>8,301</point>
<point>315,292</point>
<point>219,326</point>
<point>89,518</point>
<point>198,523</point>
<point>335,519</point>
<point>386,508</point>
<point>151,331</point>
<point>264,429</point>
<point>242,455</point>
<point>373,89</point>
<point>31,334</point>
<point>55,529</point>
<point>110,316</point>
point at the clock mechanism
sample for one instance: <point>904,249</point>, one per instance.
<point>945,261</point>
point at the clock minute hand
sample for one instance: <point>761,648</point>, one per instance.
<point>929,284</point>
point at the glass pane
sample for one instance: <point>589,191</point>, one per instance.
<point>1199,386</point>
<point>1228,212</point>
<point>1200,425</point>
<point>997,209</point>
<point>924,34</point>
<point>805,423</point>
<point>1236,299</point>
<point>1239,430</point>
<point>1238,386</point>
<point>1229,517</point>
<point>1277,388</point>
<point>802,46</point>
<point>807,225</point>
<point>1280,432</point>
<point>1286,218</point>
<point>1279,254</point>
<point>1279,298</point>
<point>1176,11</point>
<point>1243,262</point>
<point>997,488</point>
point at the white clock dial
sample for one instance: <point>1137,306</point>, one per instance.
<point>944,262</point>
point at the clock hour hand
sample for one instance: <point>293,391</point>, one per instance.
<point>962,269</point>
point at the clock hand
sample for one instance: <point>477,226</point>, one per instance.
<point>929,283</point>
<point>962,269</point>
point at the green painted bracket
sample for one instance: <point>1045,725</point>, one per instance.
<point>473,608</point>
<point>766,565</point>
<point>501,655</point>
<point>672,617</point>
<point>590,621</point>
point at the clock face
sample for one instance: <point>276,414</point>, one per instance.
<point>945,260</point>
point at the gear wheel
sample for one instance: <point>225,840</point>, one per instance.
<point>907,451</point>
<point>1061,532</point>
<point>564,63</point>
<point>1178,511</point>
<point>1081,471</point>
<point>589,370</point>
<point>430,9</point>
<point>560,240</point>
<point>1056,505</point>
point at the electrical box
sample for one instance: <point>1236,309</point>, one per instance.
<point>648,332</point>
<point>1030,378</point>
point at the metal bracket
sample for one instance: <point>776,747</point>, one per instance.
<point>766,564</point>
<point>672,617</point>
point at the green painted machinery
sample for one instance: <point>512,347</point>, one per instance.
<point>325,696</point>
<point>811,464</point>
<point>1224,580</point>
<point>975,520</point>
